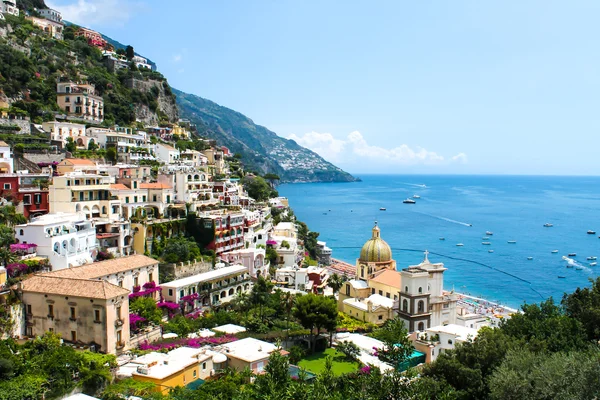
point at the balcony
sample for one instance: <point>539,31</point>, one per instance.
<point>120,345</point>
<point>119,322</point>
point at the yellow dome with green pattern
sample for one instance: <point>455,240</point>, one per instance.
<point>376,249</point>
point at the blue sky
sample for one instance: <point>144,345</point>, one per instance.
<point>387,86</point>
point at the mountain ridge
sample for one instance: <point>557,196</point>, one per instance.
<point>261,148</point>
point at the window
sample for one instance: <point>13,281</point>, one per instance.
<point>135,184</point>
<point>96,315</point>
<point>67,99</point>
<point>51,330</point>
<point>181,293</point>
<point>127,199</point>
<point>170,292</point>
<point>195,374</point>
<point>154,198</point>
<point>380,317</point>
<point>37,199</point>
<point>421,326</point>
<point>135,281</point>
<point>203,366</point>
<point>27,199</point>
<point>73,336</point>
<point>381,292</point>
<point>372,290</point>
<point>144,199</point>
<point>150,279</point>
<point>28,308</point>
<point>68,109</point>
<point>121,283</point>
<point>135,199</point>
<point>21,232</point>
<point>406,289</point>
<point>7,186</point>
<point>446,305</point>
<point>72,313</point>
<point>119,312</point>
<point>223,294</point>
<point>387,294</point>
<point>348,290</point>
<point>449,341</point>
<point>119,337</point>
<point>421,306</point>
<point>50,310</point>
<point>405,305</point>
<point>362,272</point>
<point>420,290</point>
<point>395,297</point>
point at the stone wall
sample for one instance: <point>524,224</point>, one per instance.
<point>185,269</point>
<point>150,334</point>
<point>49,157</point>
<point>24,124</point>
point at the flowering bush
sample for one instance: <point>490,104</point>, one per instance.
<point>150,285</point>
<point>365,370</point>
<point>194,315</point>
<point>189,299</point>
<point>22,247</point>
<point>168,305</point>
<point>15,269</point>
<point>134,320</point>
<point>144,293</point>
<point>136,289</point>
<point>104,255</point>
<point>195,343</point>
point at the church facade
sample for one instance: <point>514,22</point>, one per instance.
<point>379,292</point>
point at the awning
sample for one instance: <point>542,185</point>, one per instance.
<point>106,235</point>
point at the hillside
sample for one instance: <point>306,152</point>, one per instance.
<point>261,148</point>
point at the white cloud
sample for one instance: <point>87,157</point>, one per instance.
<point>96,13</point>
<point>177,58</point>
<point>355,146</point>
<point>460,158</point>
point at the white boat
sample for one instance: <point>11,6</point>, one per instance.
<point>593,264</point>
<point>512,242</point>
<point>530,258</point>
<point>382,209</point>
<point>548,225</point>
<point>486,243</point>
<point>592,258</point>
<point>489,233</point>
<point>554,251</point>
<point>591,232</point>
<point>416,196</point>
<point>490,251</point>
<point>409,201</point>
<point>460,245</point>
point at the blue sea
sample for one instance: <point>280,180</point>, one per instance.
<point>461,209</point>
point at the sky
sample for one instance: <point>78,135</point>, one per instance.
<point>465,87</point>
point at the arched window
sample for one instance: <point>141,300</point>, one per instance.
<point>362,272</point>
<point>405,305</point>
<point>223,294</point>
<point>104,210</point>
<point>231,291</point>
<point>449,341</point>
<point>420,290</point>
<point>347,289</point>
<point>421,326</point>
<point>21,232</point>
<point>406,289</point>
<point>428,288</point>
<point>421,306</point>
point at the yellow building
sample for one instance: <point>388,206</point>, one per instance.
<point>179,367</point>
<point>79,101</point>
<point>181,131</point>
<point>373,295</point>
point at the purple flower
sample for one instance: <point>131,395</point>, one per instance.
<point>365,370</point>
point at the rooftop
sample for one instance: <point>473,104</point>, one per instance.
<point>206,276</point>
<point>461,332</point>
<point>104,268</point>
<point>79,162</point>
<point>73,287</point>
<point>389,278</point>
<point>248,349</point>
<point>156,185</point>
<point>358,284</point>
<point>230,329</point>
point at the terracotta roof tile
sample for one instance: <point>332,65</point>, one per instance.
<point>3,144</point>
<point>104,268</point>
<point>389,278</point>
<point>118,186</point>
<point>73,287</point>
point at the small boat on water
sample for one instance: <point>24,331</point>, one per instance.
<point>416,196</point>
<point>409,201</point>
<point>591,232</point>
<point>382,209</point>
<point>572,254</point>
<point>490,251</point>
<point>485,238</point>
<point>592,258</point>
<point>578,267</point>
<point>548,225</point>
<point>512,242</point>
<point>489,233</point>
<point>459,245</point>
<point>570,265</point>
<point>486,243</point>
<point>530,258</point>
<point>442,238</point>
<point>593,264</point>
<point>561,277</point>
<point>554,251</point>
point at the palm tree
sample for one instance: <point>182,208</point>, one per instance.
<point>335,282</point>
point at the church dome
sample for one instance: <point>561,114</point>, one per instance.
<point>376,249</point>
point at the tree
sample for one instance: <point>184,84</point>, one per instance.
<point>272,179</point>
<point>583,305</point>
<point>335,282</point>
<point>397,346</point>
<point>258,188</point>
<point>111,155</point>
<point>259,295</point>
<point>315,312</point>
<point>92,145</point>
<point>350,350</point>
<point>129,53</point>
<point>71,146</point>
<point>146,307</point>
<point>179,249</point>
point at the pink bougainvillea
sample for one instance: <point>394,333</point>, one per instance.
<point>168,305</point>
<point>195,343</point>
<point>189,299</point>
<point>135,319</point>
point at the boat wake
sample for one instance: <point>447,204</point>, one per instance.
<point>414,185</point>
<point>572,263</point>
<point>446,219</point>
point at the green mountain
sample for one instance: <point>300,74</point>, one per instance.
<point>261,149</point>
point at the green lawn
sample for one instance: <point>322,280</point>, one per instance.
<point>315,363</point>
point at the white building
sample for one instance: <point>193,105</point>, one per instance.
<point>141,62</point>
<point>10,7</point>
<point>443,338</point>
<point>293,277</point>
<point>423,301</point>
<point>323,253</point>
<point>6,158</point>
<point>51,14</point>
<point>251,258</point>
<point>213,287</point>
<point>165,153</point>
<point>67,240</point>
<point>61,131</point>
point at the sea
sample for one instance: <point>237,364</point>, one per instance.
<point>461,209</point>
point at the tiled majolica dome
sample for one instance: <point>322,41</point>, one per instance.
<point>376,249</point>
